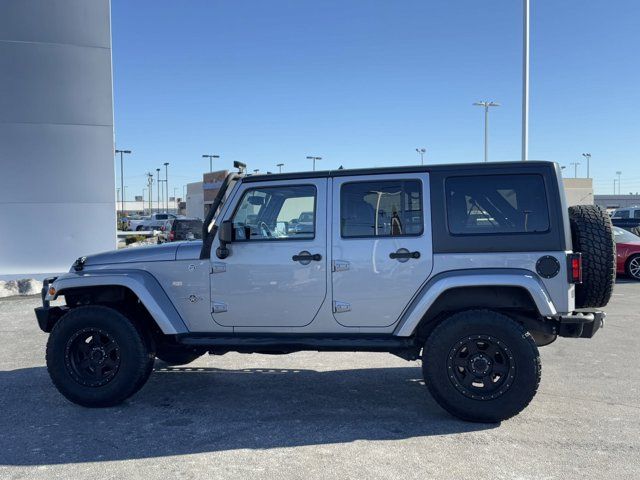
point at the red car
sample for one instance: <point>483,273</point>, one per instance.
<point>627,252</point>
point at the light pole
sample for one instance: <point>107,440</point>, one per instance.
<point>166,183</point>
<point>158,187</point>
<point>122,152</point>
<point>143,195</point>
<point>280,165</point>
<point>314,161</point>
<point>525,80</point>
<point>211,157</point>
<point>575,167</point>
<point>614,186</point>
<point>486,106</point>
<point>618,173</point>
<point>588,157</point>
<point>421,152</point>
<point>150,185</point>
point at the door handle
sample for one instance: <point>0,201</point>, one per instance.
<point>404,254</point>
<point>305,257</point>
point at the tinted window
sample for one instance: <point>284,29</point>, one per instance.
<point>636,214</point>
<point>496,204</point>
<point>275,213</point>
<point>381,209</point>
<point>162,216</point>
<point>621,214</point>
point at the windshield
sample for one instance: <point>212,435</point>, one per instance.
<point>620,235</point>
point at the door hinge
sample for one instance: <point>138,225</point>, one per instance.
<point>218,267</point>
<point>340,265</point>
<point>219,307</point>
<point>341,307</point>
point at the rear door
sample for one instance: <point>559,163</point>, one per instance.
<point>381,246</point>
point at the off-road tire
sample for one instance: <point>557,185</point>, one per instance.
<point>523,379</point>
<point>592,236</point>
<point>135,359</point>
<point>175,356</point>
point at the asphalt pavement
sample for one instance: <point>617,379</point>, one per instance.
<point>323,415</point>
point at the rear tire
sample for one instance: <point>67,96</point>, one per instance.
<point>96,357</point>
<point>593,237</point>
<point>175,356</point>
<point>481,366</point>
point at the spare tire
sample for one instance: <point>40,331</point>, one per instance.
<point>592,236</point>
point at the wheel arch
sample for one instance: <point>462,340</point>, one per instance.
<point>112,287</point>
<point>511,290</point>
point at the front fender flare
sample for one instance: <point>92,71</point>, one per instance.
<point>141,283</point>
<point>430,292</point>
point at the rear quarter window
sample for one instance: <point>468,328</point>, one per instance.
<point>496,204</point>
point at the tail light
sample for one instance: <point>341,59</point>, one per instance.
<point>171,236</point>
<point>575,267</point>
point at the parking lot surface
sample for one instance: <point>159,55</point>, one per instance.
<point>323,415</point>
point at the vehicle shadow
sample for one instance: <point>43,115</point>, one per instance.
<point>193,410</point>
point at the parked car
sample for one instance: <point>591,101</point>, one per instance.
<point>627,218</point>
<point>469,267</point>
<point>156,221</point>
<point>181,229</point>
<point>135,223</point>
<point>627,252</point>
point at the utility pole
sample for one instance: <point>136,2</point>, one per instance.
<point>525,80</point>
<point>158,188</point>
<point>166,182</point>
<point>211,157</point>
<point>486,106</point>
<point>421,152</point>
<point>314,161</point>
<point>588,157</point>
<point>575,166</point>
<point>122,152</point>
<point>280,165</point>
<point>619,173</point>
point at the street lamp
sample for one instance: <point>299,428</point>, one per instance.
<point>211,157</point>
<point>122,152</point>
<point>143,195</point>
<point>575,166</point>
<point>280,165</point>
<point>588,157</point>
<point>421,152</point>
<point>486,106</point>
<point>150,185</point>
<point>314,161</point>
<point>166,183</point>
<point>618,173</point>
<point>158,182</point>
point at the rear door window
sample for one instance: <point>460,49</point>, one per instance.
<point>496,204</point>
<point>621,214</point>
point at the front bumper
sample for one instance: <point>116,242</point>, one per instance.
<point>583,324</point>
<point>47,315</point>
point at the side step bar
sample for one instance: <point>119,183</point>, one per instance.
<point>287,343</point>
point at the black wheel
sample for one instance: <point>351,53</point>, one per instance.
<point>592,236</point>
<point>481,366</point>
<point>633,267</point>
<point>176,356</point>
<point>96,357</point>
<point>139,228</point>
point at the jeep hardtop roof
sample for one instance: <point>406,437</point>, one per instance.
<point>402,169</point>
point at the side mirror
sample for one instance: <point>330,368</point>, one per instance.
<point>225,236</point>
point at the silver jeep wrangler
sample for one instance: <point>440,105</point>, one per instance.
<point>469,267</point>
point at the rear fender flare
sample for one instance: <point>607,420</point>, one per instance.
<point>435,287</point>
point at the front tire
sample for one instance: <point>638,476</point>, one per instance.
<point>632,268</point>
<point>96,357</point>
<point>481,366</point>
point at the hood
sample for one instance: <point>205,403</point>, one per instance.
<point>150,253</point>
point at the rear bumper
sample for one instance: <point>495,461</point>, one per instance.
<point>582,324</point>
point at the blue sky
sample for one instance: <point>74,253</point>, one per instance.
<point>364,82</point>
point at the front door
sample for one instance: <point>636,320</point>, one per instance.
<point>275,275</point>
<point>381,246</point>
